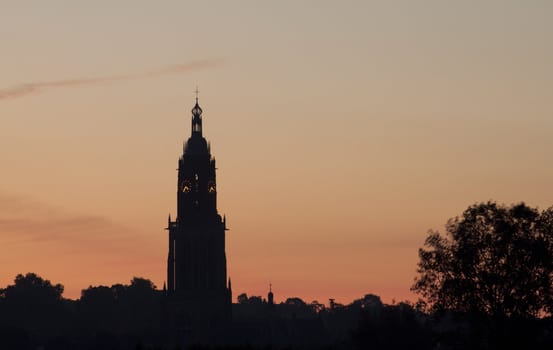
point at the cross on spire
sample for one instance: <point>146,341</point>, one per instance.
<point>197,93</point>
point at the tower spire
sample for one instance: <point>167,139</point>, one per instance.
<point>197,117</point>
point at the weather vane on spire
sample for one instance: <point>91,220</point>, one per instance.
<point>197,92</point>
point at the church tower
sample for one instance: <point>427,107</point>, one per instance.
<point>198,297</point>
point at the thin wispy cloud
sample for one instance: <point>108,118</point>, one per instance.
<point>24,220</point>
<point>51,228</point>
<point>35,87</point>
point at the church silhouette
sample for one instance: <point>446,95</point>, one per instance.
<point>198,296</point>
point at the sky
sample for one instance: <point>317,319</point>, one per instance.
<point>343,131</point>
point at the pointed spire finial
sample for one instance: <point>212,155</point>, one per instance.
<point>197,93</point>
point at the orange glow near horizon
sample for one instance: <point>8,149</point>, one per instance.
<point>342,134</point>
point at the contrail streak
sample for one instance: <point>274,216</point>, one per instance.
<point>31,88</point>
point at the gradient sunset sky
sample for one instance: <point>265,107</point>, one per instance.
<point>343,132</point>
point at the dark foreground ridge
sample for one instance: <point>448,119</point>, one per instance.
<point>34,315</point>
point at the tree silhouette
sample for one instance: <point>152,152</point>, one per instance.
<point>253,300</point>
<point>33,303</point>
<point>31,287</point>
<point>121,307</point>
<point>494,263</point>
<point>390,327</point>
<point>242,298</point>
<point>295,301</point>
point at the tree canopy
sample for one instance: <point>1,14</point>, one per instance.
<point>31,302</point>
<point>32,288</point>
<point>494,260</point>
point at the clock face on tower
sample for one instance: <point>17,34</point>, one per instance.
<point>186,186</point>
<point>211,187</point>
